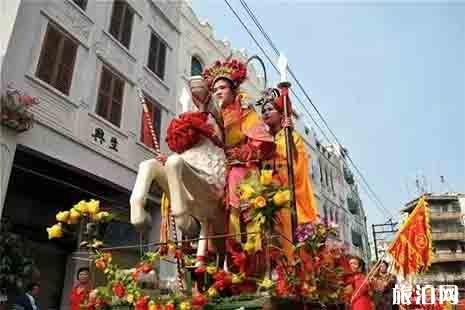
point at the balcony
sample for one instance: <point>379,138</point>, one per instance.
<point>437,216</point>
<point>456,235</point>
<point>448,257</point>
<point>440,278</point>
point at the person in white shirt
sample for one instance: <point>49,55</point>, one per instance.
<point>28,300</point>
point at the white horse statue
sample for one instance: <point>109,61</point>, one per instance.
<point>194,182</point>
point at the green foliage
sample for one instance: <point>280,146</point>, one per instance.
<point>16,267</point>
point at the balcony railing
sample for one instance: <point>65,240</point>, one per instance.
<point>458,235</point>
<point>441,277</point>
<point>446,215</point>
<point>448,257</point>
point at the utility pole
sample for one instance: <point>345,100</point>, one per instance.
<point>379,230</point>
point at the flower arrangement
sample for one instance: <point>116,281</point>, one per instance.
<point>88,212</point>
<point>262,197</point>
<point>316,271</point>
<point>14,109</point>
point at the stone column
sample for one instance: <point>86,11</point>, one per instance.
<point>7,154</point>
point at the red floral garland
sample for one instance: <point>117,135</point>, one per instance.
<point>186,131</point>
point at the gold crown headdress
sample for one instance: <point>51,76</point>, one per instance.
<point>232,70</point>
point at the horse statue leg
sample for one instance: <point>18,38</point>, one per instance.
<point>175,167</point>
<point>149,170</point>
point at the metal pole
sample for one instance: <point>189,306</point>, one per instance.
<point>284,88</point>
<point>374,240</point>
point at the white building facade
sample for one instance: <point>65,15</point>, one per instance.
<point>84,60</point>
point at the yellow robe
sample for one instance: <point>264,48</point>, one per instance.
<point>305,200</point>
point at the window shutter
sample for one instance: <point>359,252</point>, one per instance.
<point>48,55</point>
<point>161,60</point>
<point>66,69</point>
<point>127,27</point>
<point>116,18</point>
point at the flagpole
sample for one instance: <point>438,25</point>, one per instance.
<point>378,263</point>
<point>289,138</point>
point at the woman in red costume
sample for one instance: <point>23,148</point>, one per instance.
<point>247,141</point>
<point>80,292</point>
<point>360,299</point>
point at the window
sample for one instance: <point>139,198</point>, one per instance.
<point>56,62</point>
<point>157,55</point>
<point>321,174</point>
<point>155,116</point>
<point>81,3</point>
<point>121,22</point>
<point>196,66</point>
<point>110,97</point>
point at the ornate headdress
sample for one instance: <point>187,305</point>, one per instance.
<point>274,96</point>
<point>232,70</point>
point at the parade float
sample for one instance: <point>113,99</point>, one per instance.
<point>216,267</point>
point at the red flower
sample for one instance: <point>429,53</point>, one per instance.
<point>186,131</point>
<point>239,259</point>
<point>178,254</point>
<point>145,267</point>
<point>136,274</point>
<point>199,300</point>
<point>222,279</point>
<point>119,290</point>
<point>169,307</point>
<point>142,303</point>
<point>199,271</point>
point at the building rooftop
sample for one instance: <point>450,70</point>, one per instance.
<point>409,206</point>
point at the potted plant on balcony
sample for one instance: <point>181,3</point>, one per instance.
<point>14,109</point>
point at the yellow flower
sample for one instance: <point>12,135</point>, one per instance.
<point>55,231</point>
<point>102,216</point>
<point>249,246</point>
<point>185,305</point>
<point>211,269</point>
<point>260,202</point>
<point>130,298</point>
<point>212,292</point>
<point>81,206</point>
<point>237,278</point>
<point>74,216</point>
<point>266,177</point>
<point>282,197</point>
<point>93,206</point>
<point>62,216</point>
<point>246,191</point>
<point>97,244</point>
<point>259,219</point>
<point>266,283</point>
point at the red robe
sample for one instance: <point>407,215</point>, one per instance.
<point>79,295</point>
<point>362,299</point>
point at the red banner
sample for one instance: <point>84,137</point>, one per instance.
<point>412,249</point>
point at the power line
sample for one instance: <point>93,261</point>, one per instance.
<point>268,38</point>
<point>273,46</point>
<point>257,23</point>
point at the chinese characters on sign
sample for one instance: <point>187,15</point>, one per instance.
<point>99,136</point>
<point>426,295</point>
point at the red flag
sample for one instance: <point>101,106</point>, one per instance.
<point>412,249</point>
<point>147,139</point>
